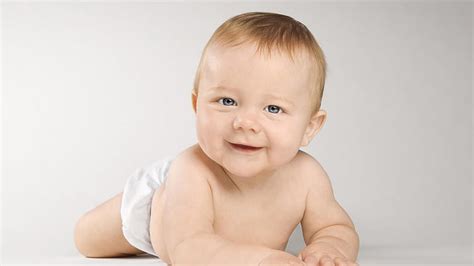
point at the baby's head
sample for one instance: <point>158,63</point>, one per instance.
<point>259,83</point>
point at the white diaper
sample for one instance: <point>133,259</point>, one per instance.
<point>136,203</point>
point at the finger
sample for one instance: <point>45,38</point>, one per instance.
<point>353,263</point>
<point>326,261</point>
<point>292,263</point>
<point>340,262</point>
<point>311,260</point>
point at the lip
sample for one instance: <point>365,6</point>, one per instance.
<point>244,148</point>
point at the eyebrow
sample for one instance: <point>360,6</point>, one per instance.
<point>217,88</point>
<point>281,98</point>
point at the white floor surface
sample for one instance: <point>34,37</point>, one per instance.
<point>449,256</point>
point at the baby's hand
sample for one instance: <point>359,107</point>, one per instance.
<point>281,258</point>
<point>321,254</point>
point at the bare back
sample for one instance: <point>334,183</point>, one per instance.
<point>265,217</point>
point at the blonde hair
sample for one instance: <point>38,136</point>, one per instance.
<point>269,31</point>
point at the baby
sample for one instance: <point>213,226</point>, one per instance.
<point>237,195</point>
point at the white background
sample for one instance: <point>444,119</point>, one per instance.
<point>92,91</point>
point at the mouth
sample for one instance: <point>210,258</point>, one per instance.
<point>244,148</point>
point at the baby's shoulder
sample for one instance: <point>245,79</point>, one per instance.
<point>303,160</point>
<point>306,166</point>
<point>192,160</point>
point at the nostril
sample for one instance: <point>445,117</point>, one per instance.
<point>246,125</point>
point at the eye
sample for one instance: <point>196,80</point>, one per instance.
<point>274,109</point>
<point>226,101</point>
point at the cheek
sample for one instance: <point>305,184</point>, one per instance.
<point>287,136</point>
<point>208,126</point>
<point>283,146</point>
<point>202,123</point>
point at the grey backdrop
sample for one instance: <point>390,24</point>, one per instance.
<point>92,91</point>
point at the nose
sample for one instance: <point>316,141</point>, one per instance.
<point>247,122</point>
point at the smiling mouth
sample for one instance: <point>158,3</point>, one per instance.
<point>244,148</point>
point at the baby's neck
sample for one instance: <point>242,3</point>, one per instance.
<point>257,184</point>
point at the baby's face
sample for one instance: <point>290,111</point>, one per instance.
<point>247,99</point>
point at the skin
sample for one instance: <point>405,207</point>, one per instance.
<point>260,197</point>
<point>246,110</point>
<point>250,115</point>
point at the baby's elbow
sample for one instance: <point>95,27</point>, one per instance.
<point>356,245</point>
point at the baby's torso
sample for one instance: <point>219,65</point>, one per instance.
<point>265,218</point>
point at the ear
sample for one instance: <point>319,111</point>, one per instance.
<point>315,124</point>
<point>194,100</point>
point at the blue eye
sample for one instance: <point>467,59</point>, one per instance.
<point>226,101</point>
<point>274,109</point>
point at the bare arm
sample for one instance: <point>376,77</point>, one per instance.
<point>325,224</point>
<point>212,249</point>
<point>343,238</point>
<point>188,218</point>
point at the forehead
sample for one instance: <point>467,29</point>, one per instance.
<point>244,68</point>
